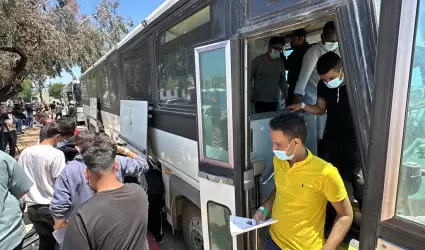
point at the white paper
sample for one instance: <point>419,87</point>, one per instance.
<point>239,225</point>
<point>59,235</point>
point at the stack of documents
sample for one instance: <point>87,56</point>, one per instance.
<point>239,225</point>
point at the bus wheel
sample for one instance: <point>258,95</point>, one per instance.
<point>192,227</point>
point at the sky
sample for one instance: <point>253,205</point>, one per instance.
<point>138,10</point>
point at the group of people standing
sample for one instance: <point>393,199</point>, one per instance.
<point>316,88</point>
<point>82,193</point>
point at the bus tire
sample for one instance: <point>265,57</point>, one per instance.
<point>192,227</point>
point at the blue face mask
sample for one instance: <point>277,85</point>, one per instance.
<point>61,144</point>
<point>282,155</point>
<point>274,54</point>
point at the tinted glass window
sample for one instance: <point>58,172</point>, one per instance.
<point>114,90</point>
<point>212,67</point>
<point>411,188</point>
<point>176,62</point>
<point>219,227</point>
<point>102,85</point>
<point>137,72</point>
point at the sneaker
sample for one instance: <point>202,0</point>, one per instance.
<point>159,239</point>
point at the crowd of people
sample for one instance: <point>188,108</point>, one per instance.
<point>314,198</point>
<point>82,191</point>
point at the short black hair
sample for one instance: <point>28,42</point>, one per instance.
<point>292,125</point>
<point>60,127</point>
<point>327,62</point>
<point>84,139</point>
<point>329,29</point>
<point>276,40</point>
<point>299,33</point>
<point>100,156</point>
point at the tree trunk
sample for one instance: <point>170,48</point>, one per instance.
<point>40,91</point>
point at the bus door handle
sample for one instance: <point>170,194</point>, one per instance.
<point>131,116</point>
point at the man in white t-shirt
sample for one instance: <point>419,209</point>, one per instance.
<point>43,163</point>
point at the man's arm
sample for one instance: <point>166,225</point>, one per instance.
<point>61,204</point>
<point>318,109</point>
<point>342,224</point>
<point>261,215</point>
<point>76,235</point>
<point>308,65</point>
<point>282,82</point>
<point>19,183</point>
<point>334,190</point>
<point>132,164</point>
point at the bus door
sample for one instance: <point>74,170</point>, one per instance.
<point>394,211</point>
<point>219,90</point>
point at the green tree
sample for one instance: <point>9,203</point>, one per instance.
<point>55,90</point>
<point>27,91</point>
<point>42,38</point>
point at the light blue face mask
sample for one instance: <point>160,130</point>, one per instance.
<point>61,144</point>
<point>274,54</point>
<point>335,83</point>
<point>331,46</point>
<point>282,155</point>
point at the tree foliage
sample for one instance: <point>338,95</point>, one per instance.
<point>42,38</point>
<point>55,90</point>
<point>27,91</point>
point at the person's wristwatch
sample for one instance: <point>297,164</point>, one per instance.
<point>126,151</point>
<point>302,105</point>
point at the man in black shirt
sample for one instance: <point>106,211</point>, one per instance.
<point>294,61</point>
<point>339,137</point>
<point>116,217</point>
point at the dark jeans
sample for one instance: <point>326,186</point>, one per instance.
<point>154,215</point>
<point>30,121</point>
<point>43,224</point>
<point>19,124</point>
<point>9,138</point>
<point>263,107</point>
<point>269,244</point>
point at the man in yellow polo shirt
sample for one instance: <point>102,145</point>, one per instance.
<point>304,185</point>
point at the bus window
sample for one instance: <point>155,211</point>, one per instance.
<point>411,190</point>
<point>175,59</point>
<point>137,72</point>
<point>114,90</point>
<point>102,85</point>
<point>212,67</point>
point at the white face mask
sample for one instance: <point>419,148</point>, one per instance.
<point>335,83</point>
<point>274,54</point>
<point>282,155</point>
<point>331,46</point>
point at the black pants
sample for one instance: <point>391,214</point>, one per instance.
<point>263,107</point>
<point>154,215</point>
<point>345,156</point>
<point>43,223</point>
<point>9,138</point>
<point>58,115</point>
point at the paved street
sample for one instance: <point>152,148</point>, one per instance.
<point>171,242</point>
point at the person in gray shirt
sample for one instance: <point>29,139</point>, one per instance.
<point>14,184</point>
<point>268,74</point>
<point>116,217</point>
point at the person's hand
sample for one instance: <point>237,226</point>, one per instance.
<point>294,107</point>
<point>120,150</point>
<point>259,216</point>
<point>60,224</point>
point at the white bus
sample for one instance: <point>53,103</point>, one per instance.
<point>190,60</point>
<point>71,95</point>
